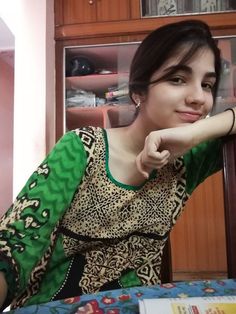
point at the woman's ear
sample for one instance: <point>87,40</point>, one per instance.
<point>135,97</point>
<point>138,99</point>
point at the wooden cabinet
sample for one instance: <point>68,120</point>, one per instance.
<point>113,10</point>
<point>201,230</point>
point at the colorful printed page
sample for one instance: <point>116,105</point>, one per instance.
<point>196,305</point>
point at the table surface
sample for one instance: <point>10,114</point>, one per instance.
<point>125,301</point>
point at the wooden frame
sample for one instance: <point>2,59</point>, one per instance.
<point>229,169</point>
<point>220,23</point>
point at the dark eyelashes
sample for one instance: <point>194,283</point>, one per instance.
<point>176,79</point>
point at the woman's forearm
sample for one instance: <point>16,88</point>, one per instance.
<point>3,289</point>
<point>214,127</point>
<point>163,145</point>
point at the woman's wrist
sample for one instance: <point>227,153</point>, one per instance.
<point>213,127</point>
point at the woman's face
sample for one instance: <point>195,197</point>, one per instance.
<point>184,96</point>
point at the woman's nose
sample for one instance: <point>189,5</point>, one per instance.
<point>196,96</point>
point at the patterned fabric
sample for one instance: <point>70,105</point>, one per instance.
<point>92,232</point>
<point>118,228</point>
<point>28,229</point>
<point>125,301</point>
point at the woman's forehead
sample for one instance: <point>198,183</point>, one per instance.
<point>181,56</point>
<point>202,58</point>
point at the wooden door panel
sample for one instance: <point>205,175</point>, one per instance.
<point>135,9</point>
<point>198,240</point>
<point>85,11</point>
<point>79,11</point>
<point>58,11</point>
<point>113,10</point>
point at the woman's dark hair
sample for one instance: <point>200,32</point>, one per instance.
<point>162,44</point>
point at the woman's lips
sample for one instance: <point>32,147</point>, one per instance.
<point>188,116</point>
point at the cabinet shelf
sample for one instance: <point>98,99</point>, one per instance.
<point>104,116</point>
<point>98,83</point>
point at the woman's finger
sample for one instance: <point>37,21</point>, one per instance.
<point>141,168</point>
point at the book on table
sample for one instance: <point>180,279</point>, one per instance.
<point>191,305</point>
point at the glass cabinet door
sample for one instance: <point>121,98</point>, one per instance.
<point>96,85</point>
<point>179,7</point>
<point>226,97</point>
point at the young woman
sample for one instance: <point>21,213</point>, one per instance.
<point>97,212</point>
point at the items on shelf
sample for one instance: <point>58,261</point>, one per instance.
<point>79,66</point>
<point>225,86</point>
<point>82,98</point>
<point>104,71</point>
<point>225,64</point>
<point>118,94</point>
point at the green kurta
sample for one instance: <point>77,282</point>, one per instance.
<point>74,229</point>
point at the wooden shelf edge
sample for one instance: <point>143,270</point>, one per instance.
<point>219,21</point>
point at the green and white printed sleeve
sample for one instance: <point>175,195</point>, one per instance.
<point>29,228</point>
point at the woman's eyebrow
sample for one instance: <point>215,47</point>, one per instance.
<point>187,69</point>
<point>178,67</point>
<point>210,75</point>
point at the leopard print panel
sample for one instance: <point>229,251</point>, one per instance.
<point>118,228</point>
<point>109,261</point>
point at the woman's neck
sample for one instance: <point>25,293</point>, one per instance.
<point>131,138</point>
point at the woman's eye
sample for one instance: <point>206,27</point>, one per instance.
<point>208,86</point>
<point>177,80</point>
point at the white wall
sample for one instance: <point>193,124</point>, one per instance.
<point>32,23</point>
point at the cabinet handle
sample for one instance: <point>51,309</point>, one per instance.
<point>91,2</point>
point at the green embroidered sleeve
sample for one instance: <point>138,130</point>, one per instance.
<point>28,229</point>
<point>201,162</point>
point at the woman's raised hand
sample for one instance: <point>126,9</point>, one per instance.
<point>162,146</point>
